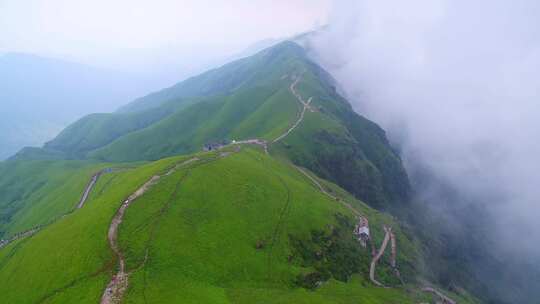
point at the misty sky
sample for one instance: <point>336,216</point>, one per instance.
<point>134,34</point>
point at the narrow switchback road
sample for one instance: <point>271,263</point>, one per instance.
<point>389,235</point>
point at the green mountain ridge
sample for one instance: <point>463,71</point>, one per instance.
<point>250,98</point>
<point>266,223</point>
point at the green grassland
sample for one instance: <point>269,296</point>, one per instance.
<point>101,129</point>
<point>222,231</point>
<point>213,120</point>
<point>243,227</point>
<point>201,226</point>
<point>70,260</point>
<point>36,192</point>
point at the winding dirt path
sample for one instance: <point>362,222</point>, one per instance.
<point>116,288</point>
<point>34,230</point>
<point>388,232</point>
<point>261,142</point>
<point>305,103</point>
<point>442,297</point>
<point>389,235</point>
<point>119,282</point>
<point>393,248</point>
<point>323,190</point>
<point>88,189</point>
<point>19,235</point>
<point>393,261</point>
<point>316,182</point>
<point>305,106</point>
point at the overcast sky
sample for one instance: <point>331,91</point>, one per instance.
<point>134,33</point>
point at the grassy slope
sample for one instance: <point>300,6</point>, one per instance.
<point>35,192</point>
<point>214,120</point>
<point>344,147</point>
<point>201,226</point>
<point>202,247</point>
<point>98,130</point>
<point>70,261</point>
<point>335,143</point>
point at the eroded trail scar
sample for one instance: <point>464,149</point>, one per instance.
<point>388,232</point>
<point>260,142</point>
<point>117,286</point>
<point>316,183</point>
<point>393,261</point>
<point>305,106</point>
<point>444,299</point>
<point>323,190</point>
<point>88,189</point>
<point>305,103</point>
<point>34,230</point>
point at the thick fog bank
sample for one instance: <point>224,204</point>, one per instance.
<point>457,85</point>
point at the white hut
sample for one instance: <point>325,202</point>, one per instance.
<point>362,231</point>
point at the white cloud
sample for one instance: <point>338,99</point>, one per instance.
<point>457,82</point>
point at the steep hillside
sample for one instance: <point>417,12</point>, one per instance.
<point>225,227</point>
<point>260,71</point>
<point>34,193</point>
<point>97,130</point>
<point>71,249</point>
<point>286,207</point>
<point>263,97</point>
